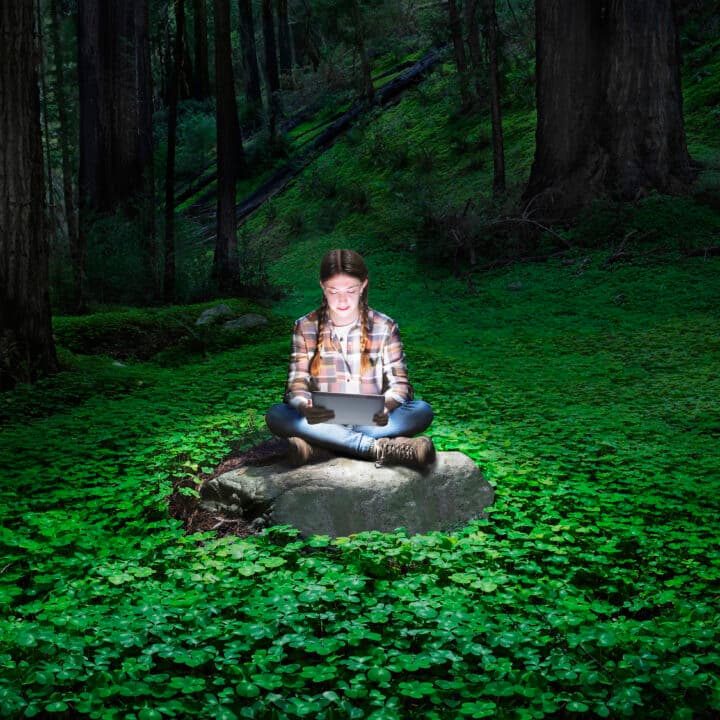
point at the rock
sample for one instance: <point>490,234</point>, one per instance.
<point>249,320</point>
<point>214,314</point>
<point>341,496</point>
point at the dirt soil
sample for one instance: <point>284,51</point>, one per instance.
<point>195,518</point>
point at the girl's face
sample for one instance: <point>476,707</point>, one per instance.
<point>343,293</point>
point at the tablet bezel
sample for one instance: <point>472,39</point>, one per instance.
<point>344,405</point>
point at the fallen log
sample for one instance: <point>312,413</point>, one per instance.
<point>279,179</point>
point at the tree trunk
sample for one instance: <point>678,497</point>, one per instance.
<point>253,92</point>
<point>173,89</point>
<point>305,36</point>
<point>77,251</point>
<point>473,39</point>
<point>459,48</point>
<point>162,51</point>
<point>495,112</point>
<point>368,89</point>
<point>272,75</point>
<point>113,125</point>
<point>142,94</point>
<point>609,104</point>
<point>45,106</point>
<point>146,191</point>
<point>651,151</point>
<point>27,350</point>
<point>229,153</point>
<point>284,43</point>
<point>187,77</point>
<point>201,80</point>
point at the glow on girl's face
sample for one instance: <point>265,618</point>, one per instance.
<point>343,293</point>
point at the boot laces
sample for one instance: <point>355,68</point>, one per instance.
<point>390,449</point>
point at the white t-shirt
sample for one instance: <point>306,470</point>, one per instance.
<point>341,335</point>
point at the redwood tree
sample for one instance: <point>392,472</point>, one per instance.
<point>26,343</point>
<point>368,89</point>
<point>229,154</point>
<point>175,73</point>
<point>473,41</point>
<point>76,249</point>
<point>201,77</point>
<point>253,93</point>
<point>284,42</point>
<point>115,109</point>
<point>459,48</point>
<point>495,111</point>
<point>272,74</point>
<point>609,105</point>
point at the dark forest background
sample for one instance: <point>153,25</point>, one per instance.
<point>139,136</point>
<point>535,187</point>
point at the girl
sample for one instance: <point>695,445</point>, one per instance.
<point>346,346</point>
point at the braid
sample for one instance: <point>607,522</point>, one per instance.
<point>344,262</point>
<point>365,336</point>
<point>322,316</point>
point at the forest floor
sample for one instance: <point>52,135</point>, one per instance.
<point>586,392</point>
<point>188,509</point>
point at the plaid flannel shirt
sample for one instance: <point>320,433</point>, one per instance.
<point>387,374</point>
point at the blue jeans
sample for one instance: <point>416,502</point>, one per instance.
<point>411,418</point>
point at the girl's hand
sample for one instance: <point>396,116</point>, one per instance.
<point>316,414</point>
<point>381,418</point>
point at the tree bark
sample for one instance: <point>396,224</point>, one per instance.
<point>368,89</point>
<point>253,92</point>
<point>306,42</point>
<point>45,106</point>
<point>187,77</point>
<point>610,119</point>
<point>113,104</point>
<point>226,268</point>
<point>77,251</point>
<point>173,91</point>
<point>27,350</point>
<point>459,48</point>
<point>201,80</point>
<point>272,75</point>
<point>644,80</point>
<point>495,112</point>
<point>146,191</point>
<point>473,40</point>
<point>284,42</point>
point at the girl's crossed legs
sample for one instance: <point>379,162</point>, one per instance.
<point>411,418</point>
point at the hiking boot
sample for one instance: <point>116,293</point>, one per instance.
<point>412,452</point>
<point>302,452</point>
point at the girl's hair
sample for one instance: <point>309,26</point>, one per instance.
<point>345,262</point>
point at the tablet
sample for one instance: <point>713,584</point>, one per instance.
<point>350,408</point>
